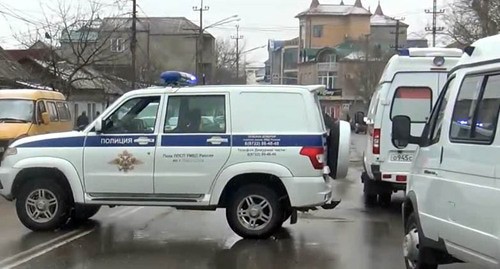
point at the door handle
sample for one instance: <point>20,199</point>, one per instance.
<point>217,140</point>
<point>144,140</point>
<point>429,172</point>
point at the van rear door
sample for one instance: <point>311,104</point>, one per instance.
<point>413,95</point>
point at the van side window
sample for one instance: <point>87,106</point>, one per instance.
<point>135,116</point>
<point>414,102</point>
<point>196,114</point>
<point>52,111</point>
<point>437,117</point>
<point>476,109</point>
<point>63,111</point>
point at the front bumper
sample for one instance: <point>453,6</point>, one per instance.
<point>7,176</point>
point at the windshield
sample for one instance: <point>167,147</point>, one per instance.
<point>13,110</point>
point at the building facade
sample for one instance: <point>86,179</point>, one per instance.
<point>163,43</point>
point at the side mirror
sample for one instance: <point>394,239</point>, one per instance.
<point>45,118</point>
<point>98,126</point>
<point>401,131</point>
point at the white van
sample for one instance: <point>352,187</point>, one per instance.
<point>260,152</point>
<point>453,192</point>
<point>409,85</point>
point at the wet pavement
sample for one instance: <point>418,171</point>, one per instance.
<point>350,236</point>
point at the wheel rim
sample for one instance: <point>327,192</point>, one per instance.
<point>41,205</point>
<point>410,248</point>
<point>254,212</point>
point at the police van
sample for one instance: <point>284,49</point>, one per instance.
<point>260,152</point>
<point>409,85</point>
<point>453,195</point>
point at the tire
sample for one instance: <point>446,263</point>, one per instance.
<point>43,205</point>
<point>82,213</point>
<point>370,199</point>
<point>384,199</point>
<point>414,253</point>
<point>272,209</point>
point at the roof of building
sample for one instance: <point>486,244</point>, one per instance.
<point>31,94</point>
<point>18,54</point>
<point>155,25</point>
<point>9,69</point>
<point>380,19</point>
<point>334,10</point>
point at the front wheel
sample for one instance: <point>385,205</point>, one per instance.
<point>255,212</point>
<point>43,205</point>
<point>412,249</point>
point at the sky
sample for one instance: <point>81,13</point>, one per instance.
<point>261,20</point>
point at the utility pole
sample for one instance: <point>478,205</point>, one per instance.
<point>397,33</point>
<point>133,41</point>
<point>434,29</point>
<point>237,37</point>
<point>199,43</point>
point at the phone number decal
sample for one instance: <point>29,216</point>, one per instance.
<point>262,141</point>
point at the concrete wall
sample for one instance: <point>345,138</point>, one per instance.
<point>383,35</point>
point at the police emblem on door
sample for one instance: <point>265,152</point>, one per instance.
<point>125,161</point>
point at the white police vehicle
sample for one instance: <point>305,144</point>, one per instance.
<point>453,193</point>
<point>257,151</point>
<point>410,84</point>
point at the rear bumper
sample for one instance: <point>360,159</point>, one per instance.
<point>308,191</point>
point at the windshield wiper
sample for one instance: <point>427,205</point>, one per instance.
<point>12,120</point>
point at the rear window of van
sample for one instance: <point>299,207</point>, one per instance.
<point>414,102</point>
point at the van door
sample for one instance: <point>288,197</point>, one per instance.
<point>195,145</point>
<point>470,159</point>
<point>411,94</point>
<point>427,181</point>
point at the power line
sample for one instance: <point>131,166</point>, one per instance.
<point>434,29</point>
<point>199,43</point>
<point>397,33</point>
<point>237,37</point>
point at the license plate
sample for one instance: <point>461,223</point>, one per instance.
<point>401,157</point>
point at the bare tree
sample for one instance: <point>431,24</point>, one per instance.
<point>77,40</point>
<point>226,57</point>
<point>470,20</point>
<point>364,69</point>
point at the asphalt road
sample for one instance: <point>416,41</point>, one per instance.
<point>350,236</point>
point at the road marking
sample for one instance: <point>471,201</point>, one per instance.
<point>42,249</point>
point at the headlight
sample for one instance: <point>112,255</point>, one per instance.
<point>9,152</point>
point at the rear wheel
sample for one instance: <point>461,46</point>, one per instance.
<point>255,212</point>
<point>412,249</point>
<point>42,204</point>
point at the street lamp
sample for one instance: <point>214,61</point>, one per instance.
<point>256,48</point>
<point>227,20</point>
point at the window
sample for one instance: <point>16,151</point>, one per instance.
<point>328,79</point>
<point>317,30</point>
<point>136,116</point>
<point>52,111</point>
<point>465,107</point>
<point>117,44</point>
<point>437,116</point>
<point>196,114</point>
<point>63,111</point>
<point>414,102</point>
<point>475,115</point>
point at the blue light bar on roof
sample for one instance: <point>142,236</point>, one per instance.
<point>404,52</point>
<point>177,78</point>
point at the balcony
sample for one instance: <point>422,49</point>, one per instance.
<point>327,67</point>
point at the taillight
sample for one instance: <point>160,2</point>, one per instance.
<point>376,141</point>
<point>401,178</point>
<point>316,156</point>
